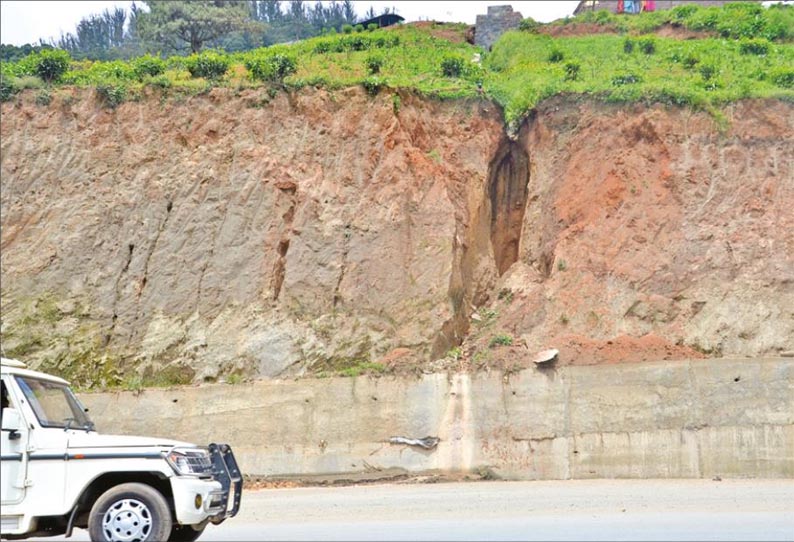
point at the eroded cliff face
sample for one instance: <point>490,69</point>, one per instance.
<point>223,234</point>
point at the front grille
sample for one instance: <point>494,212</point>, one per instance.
<point>199,462</point>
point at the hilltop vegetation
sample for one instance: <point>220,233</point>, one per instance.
<point>523,68</point>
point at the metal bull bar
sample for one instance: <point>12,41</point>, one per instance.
<point>226,471</point>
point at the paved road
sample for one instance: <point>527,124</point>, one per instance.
<point>569,510</point>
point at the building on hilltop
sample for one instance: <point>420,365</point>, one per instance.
<point>387,19</point>
<point>489,27</point>
<point>636,6</point>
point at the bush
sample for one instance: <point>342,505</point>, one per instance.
<point>148,65</point>
<point>556,56</point>
<point>783,77</point>
<point>529,25</point>
<point>452,66</point>
<point>43,97</point>
<point>271,67</point>
<point>572,70</point>
<point>7,88</point>
<point>690,61</point>
<point>628,46</point>
<point>51,64</point>
<point>371,27</point>
<point>356,43</point>
<point>759,47</point>
<point>373,84</point>
<point>347,28</point>
<point>501,340</point>
<point>111,95</point>
<point>322,47</point>
<point>209,65</point>
<point>707,71</point>
<point>359,28</point>
<point>626,79</point>
<point>374,63</point>
<point>647,45</point>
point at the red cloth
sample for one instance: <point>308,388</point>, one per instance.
<point>620,6</point>
<point>650,5</point>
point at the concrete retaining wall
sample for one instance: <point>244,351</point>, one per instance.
<point>655,420</point>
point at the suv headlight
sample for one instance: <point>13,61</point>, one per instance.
<point>190,461</point>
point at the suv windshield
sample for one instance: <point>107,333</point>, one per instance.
<point>54,404</point>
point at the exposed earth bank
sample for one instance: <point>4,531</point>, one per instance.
<point>192,238</point>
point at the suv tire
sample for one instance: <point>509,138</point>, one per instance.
<point>130,512</point>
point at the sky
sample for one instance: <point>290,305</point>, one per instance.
<point>23,21</point>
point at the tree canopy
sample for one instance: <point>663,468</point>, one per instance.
<point>180,23</point>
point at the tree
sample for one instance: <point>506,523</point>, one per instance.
<point>177,23</point>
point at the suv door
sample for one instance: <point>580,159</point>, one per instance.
<point>13,453</point>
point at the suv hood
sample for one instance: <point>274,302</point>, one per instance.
<point>79,439</point>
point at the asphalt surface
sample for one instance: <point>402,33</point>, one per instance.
<point>560,510</point>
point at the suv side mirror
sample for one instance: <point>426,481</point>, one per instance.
<point>12,422</point>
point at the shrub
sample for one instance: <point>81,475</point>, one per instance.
<point>690,61</point>
<point>8,88</point>
<point>43,97</point>
<point>681,13</point>
<point>452,66</point>
<point>396,102</point>
<point>647,45</point>
<point>347,28</point>
<point>374,63</point>
<point>161,81</point>
<point>783,77</point>
<point>322,47</point>
<point>626,79</point>
<point>359,28</point>
<point>111,95</point>
<point>529,25</point>
<point>271,67</point>
<point>501,340</point>
<point>572,70</point>
<point>209,64</point>
<point>373,84</point>
<point>356,43</point>
<point>148,65</point>
<point>556,56</point>
<point>707,71</point>
<point>371,27</point>
<point>51,64</point>
<point>759,47</point>
<point>628,46</point>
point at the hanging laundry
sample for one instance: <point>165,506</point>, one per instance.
<point>650,5</point>
<point>620,6</point>
<point>629,6</point>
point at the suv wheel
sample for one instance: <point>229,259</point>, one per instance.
<point>130,513</point>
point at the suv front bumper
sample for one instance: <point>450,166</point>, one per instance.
<point>197,500</point>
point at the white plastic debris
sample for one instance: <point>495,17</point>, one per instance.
<point>546,356</point>
<point>428,443</point>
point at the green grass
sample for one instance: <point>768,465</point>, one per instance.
<point>523,69</point>
<point>519,75</point>
<point>736,20</point>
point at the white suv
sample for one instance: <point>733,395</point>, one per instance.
<point>59,473</point>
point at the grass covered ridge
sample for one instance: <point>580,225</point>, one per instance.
<point>753,59</point>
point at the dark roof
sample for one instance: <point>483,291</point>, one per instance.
<point>387,19</point>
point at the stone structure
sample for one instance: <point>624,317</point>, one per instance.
<point>612,5</point>
<point>670,419</point>
<point>499,20</point>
